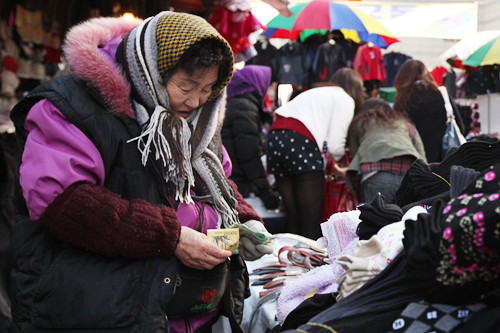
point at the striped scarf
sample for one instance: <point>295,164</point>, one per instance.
<point>185,147</point>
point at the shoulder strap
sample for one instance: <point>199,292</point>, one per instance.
<point>447,103</point>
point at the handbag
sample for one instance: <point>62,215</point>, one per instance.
<point>198,291</point>
<point>452,136</point>
<point>337,196</point>
<point>106,292</point>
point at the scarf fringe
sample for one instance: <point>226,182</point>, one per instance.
<point>142,62</point>
<point>153,135</point>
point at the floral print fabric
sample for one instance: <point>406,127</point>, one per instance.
<point>470,244</point>
<point>452,254</point>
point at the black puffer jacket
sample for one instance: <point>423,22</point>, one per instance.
<point>242,137</point>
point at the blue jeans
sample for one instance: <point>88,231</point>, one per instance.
<point>386,183</point>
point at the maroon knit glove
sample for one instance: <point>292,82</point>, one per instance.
<point>94,218</point>
<point>244,209</point>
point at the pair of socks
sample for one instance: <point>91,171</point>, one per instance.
<point>359,267</point>
<point>460,177</point>
<point>349,284</point>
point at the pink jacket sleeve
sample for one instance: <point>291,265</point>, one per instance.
<point>56,155</point>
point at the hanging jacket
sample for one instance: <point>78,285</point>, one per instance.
<point>292,65</point>
<point>328,59</point>
<point>266,52</point>
<point>369,62</point>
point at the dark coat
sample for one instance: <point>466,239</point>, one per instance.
<point>242,137</point>
<point>56,286</point>
<point>429,116</point>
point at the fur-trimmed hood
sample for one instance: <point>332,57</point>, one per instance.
<point>81,49</point>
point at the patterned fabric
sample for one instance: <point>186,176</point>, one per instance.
<point>297,156</point>
<point>470,246</point>
<point>423,317</point>
<point>177,33</point>
<point>397,165</point>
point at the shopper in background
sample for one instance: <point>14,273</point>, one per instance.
<point>418,95</point>
<point>242,132</point>
<point>123,172</point>
<point>295,144</point>
<point>383,143</point>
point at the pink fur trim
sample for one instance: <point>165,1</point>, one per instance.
<point>222,111</point>
<point>82,52</point>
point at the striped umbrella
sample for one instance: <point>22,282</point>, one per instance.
<point>322,16</point>
<point>488,54</point>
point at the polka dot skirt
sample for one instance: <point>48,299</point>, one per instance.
<point>290,153</point>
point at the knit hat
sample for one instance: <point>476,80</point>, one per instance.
<point>175,33</point>
<point>477,155</point>
<point>185,148</point>
<point>460,177</point>
<point>420,182</point>
<point>375,215</point>
<point>250,78</point>
<point>423,181</point>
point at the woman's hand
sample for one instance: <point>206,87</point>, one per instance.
<point>195,251</point>
<point>339,171</point>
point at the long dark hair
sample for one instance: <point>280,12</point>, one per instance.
<point>412,82</point>
<point>374,111</point>
<point>349,80</point>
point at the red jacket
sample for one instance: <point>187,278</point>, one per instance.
<point>369,62</point>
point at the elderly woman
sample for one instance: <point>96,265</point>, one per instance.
<point>122,173</point>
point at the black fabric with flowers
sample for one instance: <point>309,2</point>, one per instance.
<point>471,240</point>
<point>453,254</point>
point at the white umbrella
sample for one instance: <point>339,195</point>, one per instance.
<point>462,49</point>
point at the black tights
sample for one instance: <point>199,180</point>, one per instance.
<point>302,196</point>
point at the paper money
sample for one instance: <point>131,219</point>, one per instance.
<point>255,237</point>
<point>227,239</point>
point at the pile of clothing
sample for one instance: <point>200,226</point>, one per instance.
<point>429,263</point>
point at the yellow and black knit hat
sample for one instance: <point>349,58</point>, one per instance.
<point>176,33</point>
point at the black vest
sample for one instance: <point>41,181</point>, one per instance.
<point>124,172</point>
<point>113,294</point>
<point>49,276</point>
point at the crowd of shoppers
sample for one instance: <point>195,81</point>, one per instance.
<point>154,138</point>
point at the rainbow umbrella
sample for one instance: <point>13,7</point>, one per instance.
<point>322,16</point>
<point>488,54</point>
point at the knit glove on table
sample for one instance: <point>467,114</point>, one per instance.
<point>375,215</point>
<point>250,250</point>
<point>270,199</point>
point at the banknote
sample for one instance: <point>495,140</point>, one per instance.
<point>227,239</point>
